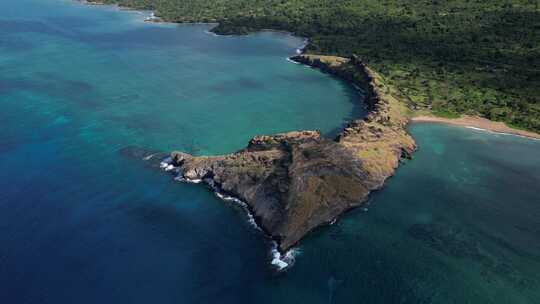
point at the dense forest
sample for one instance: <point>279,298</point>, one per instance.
<point>451,57</point>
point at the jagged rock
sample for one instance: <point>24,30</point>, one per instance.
<point>294,182</point>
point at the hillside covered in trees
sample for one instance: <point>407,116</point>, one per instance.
<point>451,57</point>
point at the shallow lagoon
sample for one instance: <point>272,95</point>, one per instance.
<point>80,222</point>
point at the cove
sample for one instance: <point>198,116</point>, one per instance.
<point>81,223</point>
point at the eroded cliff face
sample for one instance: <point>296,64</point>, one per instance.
<point>296,181</point>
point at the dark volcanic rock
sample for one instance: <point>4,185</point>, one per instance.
<point>296,181</point>
<point>292,182</point>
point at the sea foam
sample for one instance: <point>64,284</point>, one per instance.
<point>278,260</point>
<point>283,261</point>
<point>148,157</point>
<point>300,49</point>
<point>290,60</point>
<point>501,133</point>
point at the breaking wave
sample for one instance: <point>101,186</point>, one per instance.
<point>278,260</point>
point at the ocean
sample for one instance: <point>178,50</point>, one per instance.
<point>82,222</point>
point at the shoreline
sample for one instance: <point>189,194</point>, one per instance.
<point>298,181</point>
<point>465,120</point>
<point>368,150</point>
<point>280,260</point>
<point>477,122</point>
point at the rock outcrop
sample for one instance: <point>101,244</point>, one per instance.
<point>296,181</point>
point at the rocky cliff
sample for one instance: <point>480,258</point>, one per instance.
<point>296,181</point>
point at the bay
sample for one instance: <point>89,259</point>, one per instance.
<point>80,222</point>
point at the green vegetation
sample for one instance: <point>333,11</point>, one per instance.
<point>462,56</point>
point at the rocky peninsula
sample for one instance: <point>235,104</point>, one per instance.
<point>297,181</point>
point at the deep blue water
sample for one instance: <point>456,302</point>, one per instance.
<point>80,222</point>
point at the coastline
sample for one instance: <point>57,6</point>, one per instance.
<point>477,122</point>
<point>376,143</point>
<point>234,30</point>
<point>295,182</point>
<point>280,259</point>
<point>150,19</point>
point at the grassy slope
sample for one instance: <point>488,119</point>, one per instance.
<point>451,57</point>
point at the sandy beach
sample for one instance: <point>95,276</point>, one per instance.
<point>477,122</point>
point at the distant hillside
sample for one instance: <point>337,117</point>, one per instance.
<point>452,57</point>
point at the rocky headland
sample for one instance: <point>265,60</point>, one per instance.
<point>297,181</point>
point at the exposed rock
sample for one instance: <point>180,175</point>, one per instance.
<point>296,181</point>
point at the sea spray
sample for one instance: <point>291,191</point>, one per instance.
<point>228,198</point>
<point>166,165</point>
<point>278,260</point>
<point>283,261</point>
<point>151,18</point>
<point>300,50</point>
<point>292,61</point>
<point>212,33</point>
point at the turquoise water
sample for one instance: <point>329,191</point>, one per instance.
<point>458,224</point>
<point>80,222</point>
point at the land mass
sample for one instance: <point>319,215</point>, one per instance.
<point>297,181</point>
<point>442,58</point>
<point>462,57</point>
